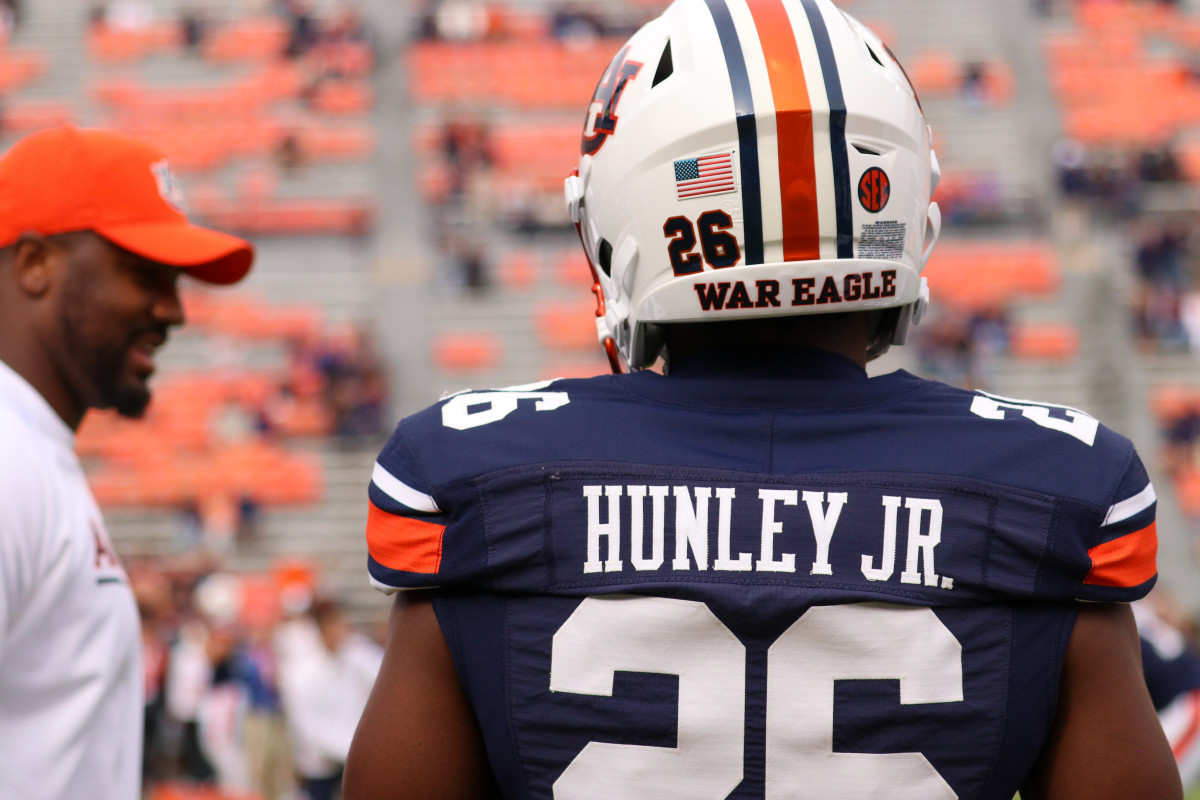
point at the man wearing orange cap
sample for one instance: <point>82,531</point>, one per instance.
<point>93,240</point>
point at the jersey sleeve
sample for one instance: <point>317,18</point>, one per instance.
<point>406,527</point>
<point>1122,550</point>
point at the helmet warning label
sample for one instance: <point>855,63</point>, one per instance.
<point>884,239</point>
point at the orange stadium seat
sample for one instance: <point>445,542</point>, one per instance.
<point>1187,490</point>
<point>545,74</point>
<point>26,116</point>
<point>519,269</point>
<point>105,43</point>
<point>308,418</point>
<point>1126,15</point>
<point>883,30</point>
<point>180,791</point>
<point>18,68</point>
<point>1170,402</point>
<point>256,39</point>
<point>1044,341</point>
<point>983,273</point>
<point>337,143</point>
<point>466,351</point>
<point>567,326</point>
<point>935,72</point>
<point>343,97</point>
<point>571,268</point>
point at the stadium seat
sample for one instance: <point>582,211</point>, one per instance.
<point>343,97</point>
<point>567,326</point>
<point>466,351</point>
<point>519,269</point>
<point>254,39</point>
<point>1050,341</point>
<point>970,275</point>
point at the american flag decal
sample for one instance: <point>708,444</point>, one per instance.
<point>704,176</point>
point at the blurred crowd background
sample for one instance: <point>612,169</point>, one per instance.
<point>399,164</point>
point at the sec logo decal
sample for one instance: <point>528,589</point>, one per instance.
<point>874,189</point>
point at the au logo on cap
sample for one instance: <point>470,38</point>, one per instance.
<point>874,189</point>
<point>168,185</point>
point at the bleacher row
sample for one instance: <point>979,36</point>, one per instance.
<point>1123,74</point>
<point>258,108</point>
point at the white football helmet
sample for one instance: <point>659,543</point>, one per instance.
<point>753,158</point>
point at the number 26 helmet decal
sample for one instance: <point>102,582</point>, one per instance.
<point>753,158</point>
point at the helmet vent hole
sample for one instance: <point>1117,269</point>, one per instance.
<point>867,151</point>
<point>874,55</point>
<point>666,66</point>
<point>604,256</point>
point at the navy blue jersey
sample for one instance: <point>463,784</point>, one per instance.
<point>727,584</point>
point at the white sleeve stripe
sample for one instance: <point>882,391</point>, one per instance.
<point>401,492</point>
<point>389,590</point>
<point>1132,506</point>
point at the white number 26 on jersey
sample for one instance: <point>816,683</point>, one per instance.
<point>1077,423</point>
<point>684,638</point>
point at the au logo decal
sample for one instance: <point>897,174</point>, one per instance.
<point>602,112</point>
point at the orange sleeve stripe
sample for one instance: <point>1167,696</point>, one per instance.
<point>1125,562</point>
<point>404,544</point>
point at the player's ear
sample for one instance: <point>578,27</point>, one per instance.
<point>31,259</point>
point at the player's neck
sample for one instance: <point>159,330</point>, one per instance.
<point>847,337</point>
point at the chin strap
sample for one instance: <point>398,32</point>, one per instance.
<point>574,192</point>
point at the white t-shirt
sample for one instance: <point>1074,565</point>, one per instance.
<point>70,649</point>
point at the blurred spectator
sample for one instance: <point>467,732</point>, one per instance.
<point>1070,162</point>
<point>193,25</point>
<point>1162,279</point>
<point>302,28</point>
<point>189,528</point>
<point>1172,668</point>
<point>289,153</point>
<point>354,388</point>
<point>153,600</point>
<point>325,684</point>
<point>268,751</point>
<point>129,15</point>
<point>1159,165</point>
<point>1181,435</point>
<point>189,676</point>
<point>960,347</point>
<point>467,149</point>
<point>575,21</point>
<point>974,84</point>
<point>222,711</point>
<point>461,21</point>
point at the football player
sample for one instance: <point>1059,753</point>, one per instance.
<point>762,574</point>
<point>1172,668</point>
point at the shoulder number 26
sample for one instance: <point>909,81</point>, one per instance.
<point>683,637</point>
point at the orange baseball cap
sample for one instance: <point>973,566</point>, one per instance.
<point>74,179</point>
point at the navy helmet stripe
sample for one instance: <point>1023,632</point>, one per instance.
<point>837,131</point>
<point>747,124</point>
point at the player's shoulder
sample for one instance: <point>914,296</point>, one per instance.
<point>1042,445</point>
<point>1101,543</point>
<point>495,420</point>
